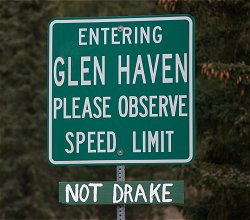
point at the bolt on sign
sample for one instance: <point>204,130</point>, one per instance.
<point>121,90</point>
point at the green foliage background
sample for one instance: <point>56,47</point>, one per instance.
<point>217,183</point>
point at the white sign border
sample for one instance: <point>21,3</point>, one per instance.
<point>117,162</point>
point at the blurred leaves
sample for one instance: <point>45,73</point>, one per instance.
<point>219,179</point>
<point>237,73</point>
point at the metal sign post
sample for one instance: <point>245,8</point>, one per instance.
<point>121,92</point>
<point>120,176</point>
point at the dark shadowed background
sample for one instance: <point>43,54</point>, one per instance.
<point>217,183</point>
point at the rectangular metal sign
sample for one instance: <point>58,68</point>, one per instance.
<point>121,90</point>
<point>128,192</point>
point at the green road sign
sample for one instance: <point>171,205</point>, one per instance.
<point>128,192</point>
<point>121,90</point>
